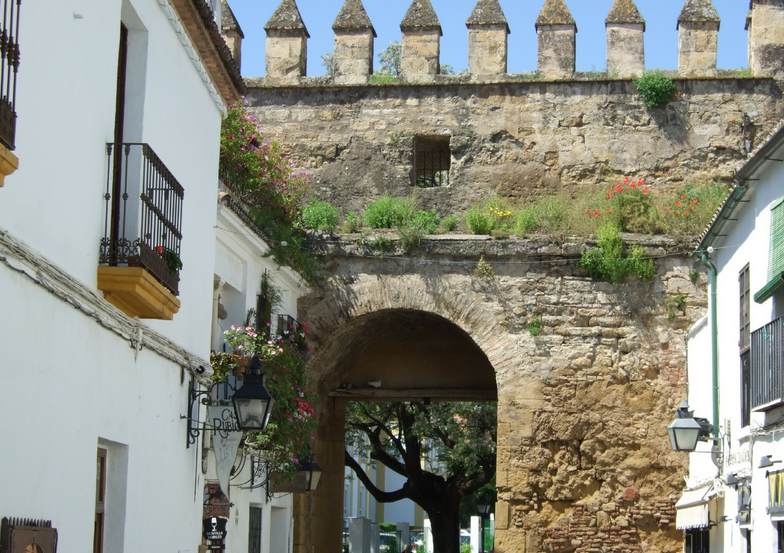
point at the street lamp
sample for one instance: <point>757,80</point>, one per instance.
<point>312,474</point>
<point>686,430</point>
<point>483,506</point>
<point>252,402</point>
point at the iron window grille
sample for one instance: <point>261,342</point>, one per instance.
<point>432,161</point>
<point>143,213</point>
<point>767,364</point>
<point>9,66</point>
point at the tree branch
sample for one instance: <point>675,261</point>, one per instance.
<point>379,495</point>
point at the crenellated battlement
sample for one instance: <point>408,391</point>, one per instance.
<point>698,26</point>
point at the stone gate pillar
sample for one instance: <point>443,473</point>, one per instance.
<point>287,42</point>
<point>421,49</point>
<point>354,35</point>
<point>765,25</point>
<point>487,39</point>
<point>625,45</point>
<point>556,31</point>
<point>698,38</point>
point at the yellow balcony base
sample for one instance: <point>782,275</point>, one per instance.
<point>8,163</point>
<point>136,292</point>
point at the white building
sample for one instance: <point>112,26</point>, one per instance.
<point>101,331</point>
<point>259,521</point>
<point>734,500</point>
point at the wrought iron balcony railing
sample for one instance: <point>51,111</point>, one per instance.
<point>9,66</point>
<point>767,365</point>
<point>143,213</point>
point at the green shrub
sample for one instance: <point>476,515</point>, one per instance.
<point>534,326</point>
<point>527,221</point>
<point>448,223</point>
<point>388,212</point>
<point>319,215</point>
<point>608,262</point>
<point>411,234</point>
<point>632,207</point>
<point>483,269</point>
<point>551,214</point>
<point>479,220</point>
<point>655,89</point>
<point>428,219</point>
<point>351,223</point>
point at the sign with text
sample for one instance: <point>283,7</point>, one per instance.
<point>226,437</point>
<point>214,528</point>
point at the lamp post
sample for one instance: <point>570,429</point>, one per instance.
<point>483,506</point>
<point>252,402</point>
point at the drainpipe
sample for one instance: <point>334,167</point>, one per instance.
<point>714,337</point>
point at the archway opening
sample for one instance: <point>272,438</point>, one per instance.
<point>393,355</point>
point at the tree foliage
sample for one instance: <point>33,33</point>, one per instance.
<point>389,58</point>
<point>445,450</point>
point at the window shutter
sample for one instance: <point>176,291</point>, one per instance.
<point>776,266</point>
<point>776,255</point>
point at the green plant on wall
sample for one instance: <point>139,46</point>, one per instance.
<point>534,326</point>
<point>483,269</point>
<point>609,262</point>
<point>655,88</point>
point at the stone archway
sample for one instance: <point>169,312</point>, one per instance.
<point>583,458</point>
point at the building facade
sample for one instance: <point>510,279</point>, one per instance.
<point>733,499</point>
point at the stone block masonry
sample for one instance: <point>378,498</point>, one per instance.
<point>518,138</point>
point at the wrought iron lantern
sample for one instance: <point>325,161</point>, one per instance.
<point>311,473</point>
<point>252,402</point>
<point>686,430</point>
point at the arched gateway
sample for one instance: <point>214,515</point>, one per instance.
<point>584,397</point>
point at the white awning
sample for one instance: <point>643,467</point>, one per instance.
<point>692,508</point>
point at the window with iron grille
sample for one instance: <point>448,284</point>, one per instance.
<point>432,161</point>
<point>767,365</point>
<point>254,530</point>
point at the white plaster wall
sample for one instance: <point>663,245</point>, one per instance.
<point>69,384</point>
<point>239,262</point>
<point>66,111</point>
<point>746,242</point>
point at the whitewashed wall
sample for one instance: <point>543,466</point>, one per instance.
<point>746,242</point>
<point>66,107</point>
<point>69,385</point>
<point>239,265</point>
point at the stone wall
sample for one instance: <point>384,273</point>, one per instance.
<point>518,138</point>
<point>584,463</point>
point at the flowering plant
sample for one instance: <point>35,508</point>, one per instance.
<point>263,177</point>
<point>629,206</point>
<point>292,423</point>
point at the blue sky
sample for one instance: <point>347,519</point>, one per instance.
<point>661,37</point>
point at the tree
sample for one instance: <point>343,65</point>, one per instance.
<point>390,59</point>
<point>328,62</point>
<point>446,451</point>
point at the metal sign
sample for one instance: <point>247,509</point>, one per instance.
<point>214,528</point>
<point>226,437</point>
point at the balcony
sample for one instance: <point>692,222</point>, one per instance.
<point>140,250</point>
<point>767,366</point>
<point>9,66</point>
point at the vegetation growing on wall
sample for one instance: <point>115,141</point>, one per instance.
<point>655,88</point>
<point>265,181</point>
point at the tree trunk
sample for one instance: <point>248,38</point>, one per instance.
<point>445,524</point>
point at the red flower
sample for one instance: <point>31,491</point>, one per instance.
<point>159,250</point>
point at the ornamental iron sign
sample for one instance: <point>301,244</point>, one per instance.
<point>23,535</point>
